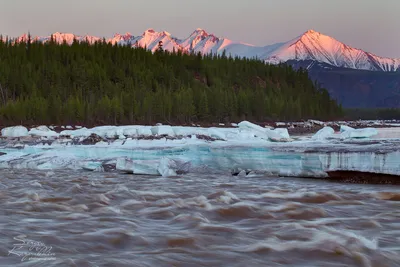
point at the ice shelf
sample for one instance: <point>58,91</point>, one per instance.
<point>177,150</point>
<point>303,159</point>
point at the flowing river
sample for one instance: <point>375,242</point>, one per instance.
<point>108,219</point>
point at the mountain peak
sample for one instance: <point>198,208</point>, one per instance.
<point>149,31</point>
<point>311,32</point>
<point>62,33</point>
<point>200,31</point>
<point>119,35</point>
<point>64,36</point>
<point>318,38</point>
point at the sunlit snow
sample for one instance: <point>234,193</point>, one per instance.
<point>310,45</point>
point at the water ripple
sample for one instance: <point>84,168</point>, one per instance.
<point>110,219</point>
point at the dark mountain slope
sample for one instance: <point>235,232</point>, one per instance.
<point>355,88</point>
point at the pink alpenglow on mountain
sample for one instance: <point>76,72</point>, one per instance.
<point>311,45</point>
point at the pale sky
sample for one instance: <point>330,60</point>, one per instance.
<point>371,25</point>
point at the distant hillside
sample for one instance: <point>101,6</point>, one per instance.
<point>100,83</point>
<point>356,88</point>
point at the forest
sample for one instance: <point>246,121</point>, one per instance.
<point>100,83</point>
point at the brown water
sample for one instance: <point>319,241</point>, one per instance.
<point>95,219</point>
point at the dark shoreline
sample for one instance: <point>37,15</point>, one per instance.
<point>357,177</point>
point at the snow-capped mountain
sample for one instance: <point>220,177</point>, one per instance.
<point>310,46</point>
<point>150,39</point>
<point>318,47</point>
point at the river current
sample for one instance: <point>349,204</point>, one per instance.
<point>72,218</point>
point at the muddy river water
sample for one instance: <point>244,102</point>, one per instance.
<point>109,219</point>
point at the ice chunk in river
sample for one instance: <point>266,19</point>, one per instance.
<point>344,128</point>
<point>146,167</point>
<point>359,133</point>
<point>42,131</point>
<point>263,133</point>
<point>323,133</point>
<point>15,131</point>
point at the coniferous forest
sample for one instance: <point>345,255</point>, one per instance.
<point>108,84</point>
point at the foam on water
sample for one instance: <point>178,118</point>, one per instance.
<point>195,219</point>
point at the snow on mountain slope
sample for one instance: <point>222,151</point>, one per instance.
<point>59,38</point>
<point>311,45</point>
<point>151,38</point>
<point>125,39</point>
<point>68,38</point>
<point>315,46</point>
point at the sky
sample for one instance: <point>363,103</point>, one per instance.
<point>371,25</point>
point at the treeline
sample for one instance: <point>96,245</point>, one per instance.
<point>373,114</point>
<point>109,84</point>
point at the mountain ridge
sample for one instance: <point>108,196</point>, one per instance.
<point>311,45</point>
